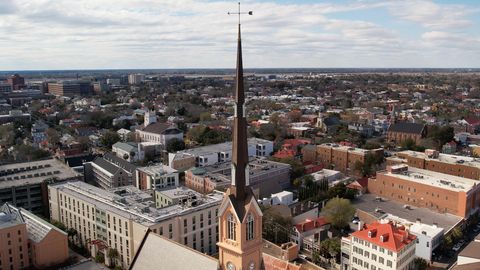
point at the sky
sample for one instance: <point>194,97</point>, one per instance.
<point>130,34</point>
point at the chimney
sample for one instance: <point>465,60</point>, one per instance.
<point>360,226</point>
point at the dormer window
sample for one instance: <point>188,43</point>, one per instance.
<point>231,227</point>
<point>250,227</point>
<point>372,233</point>
<point>384,238</point>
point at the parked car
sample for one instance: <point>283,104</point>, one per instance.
<point>457,247</point>
<point>301,256</point>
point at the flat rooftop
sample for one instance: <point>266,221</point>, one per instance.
<point>451,159</point>
<point>222,172</point>
<point>177,192</point>
<point>221,147</point>
<point>132,203</point>
<point>347,148</point>
<point>34,172</point>
<point>435,179</point>
<point>368,203</point>
<point>158,169</point>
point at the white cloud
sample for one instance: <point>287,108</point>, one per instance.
<point>58,34</point>
<point>430,14</point>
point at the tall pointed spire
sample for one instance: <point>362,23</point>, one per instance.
<point>240,148</point>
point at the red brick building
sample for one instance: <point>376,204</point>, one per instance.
<point>432,160</point>
<point>337,157</point>
<point>427,189</point>
<point>402,131</point>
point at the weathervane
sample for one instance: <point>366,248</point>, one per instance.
<point>239,13</point>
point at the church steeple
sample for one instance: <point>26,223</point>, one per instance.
<point>239,216</point>
<point>240,147</point>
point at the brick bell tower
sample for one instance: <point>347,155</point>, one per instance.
<point>240,217</point>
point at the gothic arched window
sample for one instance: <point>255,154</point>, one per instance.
<point>231,227</point>
<point>250,227</point>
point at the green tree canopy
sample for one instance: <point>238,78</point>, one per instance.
<point>175,145</point>
<point>109,138</point>
<point>339,212</point>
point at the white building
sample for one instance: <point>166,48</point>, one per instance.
<point>156,177</point>
<point>160,133</point>
<point>333,177</point>
<point>379,246</point>
<point>429,237</point>
<point>113,81</point>
<point>219,153</point>
<point>284,197</point>
<point>136,78</point>
<point>129,151</point>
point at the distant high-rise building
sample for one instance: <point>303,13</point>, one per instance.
<point>5,88</point>
<point>113,81</point>
<point>136,78</point>
<point>16,81</point>
<point>71,88</point>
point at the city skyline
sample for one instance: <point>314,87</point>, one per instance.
<point>147,34</point>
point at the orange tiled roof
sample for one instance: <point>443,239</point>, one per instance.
<point>394,238</point>
<point>273,263</point>
<point>309,224</point>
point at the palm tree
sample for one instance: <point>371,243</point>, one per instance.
<point>71,232</point>
<point>113,254</point>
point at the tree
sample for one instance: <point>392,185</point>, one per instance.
<point>109,138</point>
<point>113,254</point>
<point>276,228</point>
<point>339,212</point>
<point>28,152</point>
<point>71,233</point>
<point>205,117</point>
<point>338,190</point>
<point>457,233</point>
<point>268,132</point>
<point>99,258</point>
<point>175,145</point>
<point>297,170</point>
<point>7,135</point>
<point>330,248</point>
<point>195,133</point>
<point>53,137</point>
<point>420,263</point>
<point>441,135</point>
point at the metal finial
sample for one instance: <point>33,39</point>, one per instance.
<point>239,13</point>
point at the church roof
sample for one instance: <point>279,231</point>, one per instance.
<point>158,252</point>
<point>160,128</point>
<point>405,127</point>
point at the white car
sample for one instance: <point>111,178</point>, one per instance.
<point>301,256</point>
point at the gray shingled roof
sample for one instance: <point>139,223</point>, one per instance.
<point>109,167</point>
<point>119,162</point>
<point>406,127</point>
<point>127,147</point>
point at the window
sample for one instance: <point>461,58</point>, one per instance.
<point>231,227</point>
<point>250,227</point>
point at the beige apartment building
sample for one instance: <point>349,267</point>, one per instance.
<point>119,219</point>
